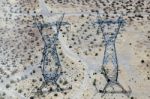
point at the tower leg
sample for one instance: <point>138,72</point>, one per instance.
<point>110,84</point>
<point>58,87</point>
<point>104,89</point>
<point>39,90</point>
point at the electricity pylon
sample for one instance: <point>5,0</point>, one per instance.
<point>50,54</point>
<point>110,29</point>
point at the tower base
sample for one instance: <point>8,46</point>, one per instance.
<point>110,84</point>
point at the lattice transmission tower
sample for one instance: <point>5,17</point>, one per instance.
<point>110,68</point>
<point>49,55</point>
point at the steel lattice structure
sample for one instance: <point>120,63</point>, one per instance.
<point>50,77</point>
<point>110,29</point>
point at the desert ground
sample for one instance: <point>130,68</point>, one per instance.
<point>80,48</point>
